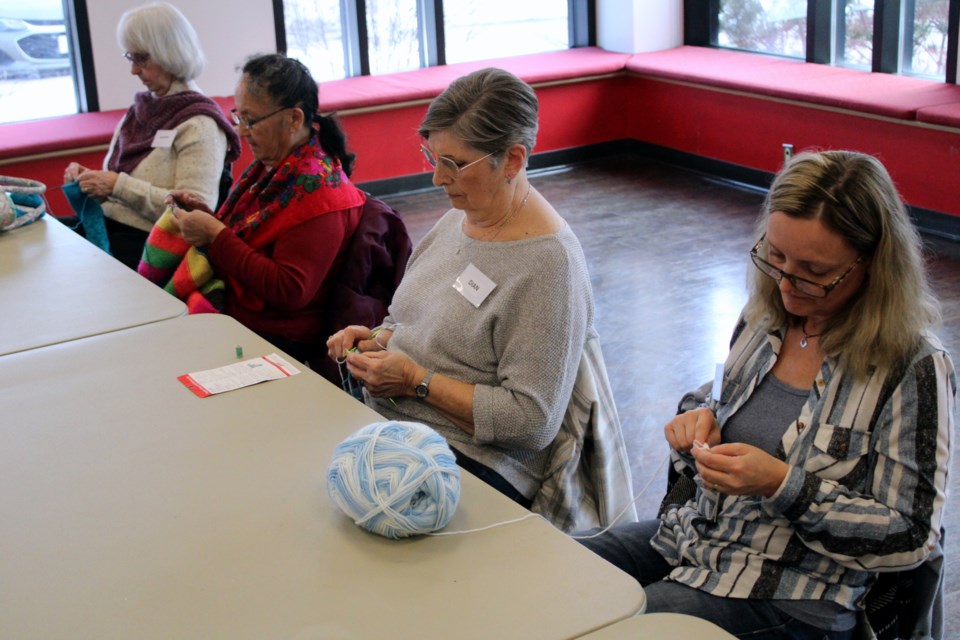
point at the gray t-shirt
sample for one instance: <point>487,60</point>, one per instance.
<point>521,347</point>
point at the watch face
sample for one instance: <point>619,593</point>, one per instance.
<point>421,390</point>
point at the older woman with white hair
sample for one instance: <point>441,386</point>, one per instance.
<point>172,138</point>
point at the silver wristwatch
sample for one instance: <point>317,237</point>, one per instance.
<point>423,389</point>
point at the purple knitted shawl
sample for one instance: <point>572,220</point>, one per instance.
<point>150,113</point>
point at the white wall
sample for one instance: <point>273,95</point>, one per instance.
<point>229,32</point>
<point>635,26</point>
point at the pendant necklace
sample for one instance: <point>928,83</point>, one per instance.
<point>500,225</point>
<point>806,336</point>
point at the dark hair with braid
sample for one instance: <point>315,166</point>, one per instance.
<point>287,82</point>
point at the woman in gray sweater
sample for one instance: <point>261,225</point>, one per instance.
<point>485,333</point>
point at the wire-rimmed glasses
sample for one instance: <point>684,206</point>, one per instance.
<point>808,287</point>
<point>138,59</point>
<point>250,123</point>
<point>449,165</point>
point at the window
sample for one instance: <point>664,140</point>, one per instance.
<point>926,28</point>
<point>36,75</point>
<point>393,29</point>
<point>766,26</point>
<point>913,37</point>
<point>315,36</point>
<point>855,38</point>
<point>498,28</point>
<point>342,38</point>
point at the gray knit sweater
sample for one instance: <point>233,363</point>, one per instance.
<point>521,347</point>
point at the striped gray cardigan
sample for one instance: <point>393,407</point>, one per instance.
<point>865,490</point>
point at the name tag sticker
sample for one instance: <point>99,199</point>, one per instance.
<point>164,138</point>
<point>473,285</point>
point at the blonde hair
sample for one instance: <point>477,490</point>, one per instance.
<point>853,195</point>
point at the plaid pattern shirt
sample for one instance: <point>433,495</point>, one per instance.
<point>865,491</point>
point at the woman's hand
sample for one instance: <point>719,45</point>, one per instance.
<point>187,200</point>
<point>739,469</point>
<point>385,374</point>
<point>698,425</point>
<point>97,184</point>
<point>362,338</point>
<point>197,227</point>
<point>72,172</point>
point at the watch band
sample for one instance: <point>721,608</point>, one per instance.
<point>423,389</point>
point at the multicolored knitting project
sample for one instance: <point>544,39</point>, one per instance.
<point>172,263</point>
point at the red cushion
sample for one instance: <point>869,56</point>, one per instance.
<point>875,93</point>
<point>427,83</point>
<point>947,115</point>
<point>55,134</point>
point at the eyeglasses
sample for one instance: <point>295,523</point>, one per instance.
<point>449,164</point>
<point>808,287</point>
<point>249,123</point>
<point>138,59</point>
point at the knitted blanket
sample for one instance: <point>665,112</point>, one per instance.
<point>182,270</point>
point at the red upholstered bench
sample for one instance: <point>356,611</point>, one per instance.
<point>739,108</point>
<point>947,115</point>
<point>881,94</point>
<point>394,89</point>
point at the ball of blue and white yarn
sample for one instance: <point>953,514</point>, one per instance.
<point>396,479</point>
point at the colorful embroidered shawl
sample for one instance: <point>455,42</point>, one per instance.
<point>263,205</point>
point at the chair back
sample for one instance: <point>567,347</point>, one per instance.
<point>907,604</point>
<point>587,482</point>
<point>372,268</point>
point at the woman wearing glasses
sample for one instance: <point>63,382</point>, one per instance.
<point>284,228</point>
<point>485,332</point>
<point>821,456</point>
<point>173,137</point>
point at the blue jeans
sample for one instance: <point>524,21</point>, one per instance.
<point>628,547</point>
<point>492,478</point>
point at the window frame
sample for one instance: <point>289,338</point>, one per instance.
<point>85,79</point>
<point>701,28</point>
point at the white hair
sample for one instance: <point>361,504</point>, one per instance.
<point>159,29</point>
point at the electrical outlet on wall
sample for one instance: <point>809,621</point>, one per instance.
<point>787,152</point>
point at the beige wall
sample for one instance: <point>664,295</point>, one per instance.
<point>635,26</point>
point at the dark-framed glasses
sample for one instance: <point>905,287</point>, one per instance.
<point>808,287</point>
<point>449,165</point>
<point>249,123</point>
<point>138,59</point>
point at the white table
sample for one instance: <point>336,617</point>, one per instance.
<point>661,625</point>
<point>129,508</point>
<point>56,286</point>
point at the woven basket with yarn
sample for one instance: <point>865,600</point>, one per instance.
<point>21,201</point>
<point>396,479</point>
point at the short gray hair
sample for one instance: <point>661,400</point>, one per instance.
<point>489,110</point>
<point>159,29</point>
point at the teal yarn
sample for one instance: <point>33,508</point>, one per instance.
<point>395,479</point>
<point>89,213</point>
